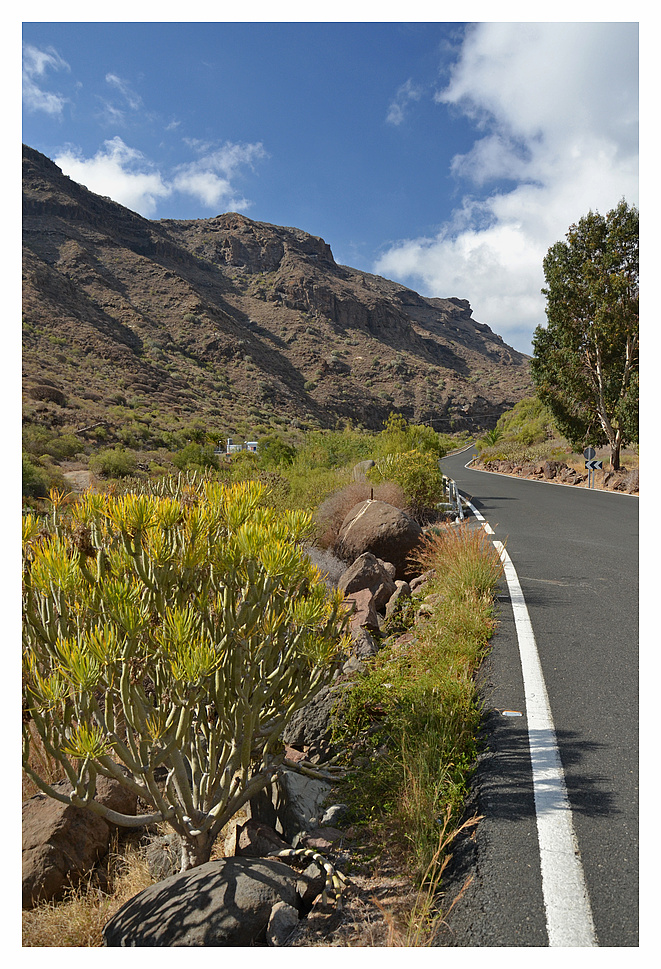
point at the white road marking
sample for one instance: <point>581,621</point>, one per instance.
<point>568,913</point>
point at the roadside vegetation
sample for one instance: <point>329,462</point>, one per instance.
<point>412,718</point>
<point>411,723</point>
<point>528,434</point>
<point>525,433</point>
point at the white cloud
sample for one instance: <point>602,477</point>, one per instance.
<point>133,100</point>
<point>119,172</point>
<point>124,174</point>
<point>208,178</point>
<point>35,65</point>
<point>556,105</point>
<point>406,93</point>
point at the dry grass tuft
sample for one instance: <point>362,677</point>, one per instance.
<point>466,563</point>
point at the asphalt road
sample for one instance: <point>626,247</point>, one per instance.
<point>576,555</point>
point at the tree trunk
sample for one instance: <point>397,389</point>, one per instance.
<point>196,850</point>
<point>616,444</point>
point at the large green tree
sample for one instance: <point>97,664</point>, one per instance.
<point>585,363</point>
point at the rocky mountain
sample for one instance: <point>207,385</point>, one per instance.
<point>244,326</point>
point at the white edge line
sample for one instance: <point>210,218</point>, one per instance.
<point>568,914</point>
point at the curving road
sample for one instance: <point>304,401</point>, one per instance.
<point>576,555</point>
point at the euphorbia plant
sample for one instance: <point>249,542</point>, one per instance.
<point>166,643</point>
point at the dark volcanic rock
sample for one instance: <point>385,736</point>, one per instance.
<point>223,903</point>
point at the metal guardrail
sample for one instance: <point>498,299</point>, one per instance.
<point>454,497</point>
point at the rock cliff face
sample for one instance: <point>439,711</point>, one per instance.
<point>235,322</point>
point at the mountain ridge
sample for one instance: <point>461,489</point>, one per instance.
<point>234,322</point>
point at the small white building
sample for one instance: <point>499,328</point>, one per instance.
<point>232,448</point>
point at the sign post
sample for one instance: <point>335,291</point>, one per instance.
<point>591,464</point>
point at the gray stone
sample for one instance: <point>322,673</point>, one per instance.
<point>364,645</point>
<point>256,840</point>
<point>282,922</point>
<point>289,802</point>
<point>354,664</point>
<point>222,903</point>
<point>416,583</point>
<point>334,813</point>
<point>401,593</point>
<point>311,724</point>
<point>363,611</point>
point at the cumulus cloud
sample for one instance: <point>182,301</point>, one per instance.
<point>405,94</point>
<point>125,174</point>
<point>209,177</point>
<point>119,172</point>
<point>36,63</point>
<point>556,112</point>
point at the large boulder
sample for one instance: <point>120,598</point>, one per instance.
<point>62,843</point>
<point>385,531</point>
<point>229,902</point>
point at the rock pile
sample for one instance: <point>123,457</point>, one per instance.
<point>624,480</point>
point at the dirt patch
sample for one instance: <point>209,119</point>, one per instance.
<point>79,480</point>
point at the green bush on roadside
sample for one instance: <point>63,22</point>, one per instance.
<point>418,475</point>
<point>525,433</point>
<point>38,479</point>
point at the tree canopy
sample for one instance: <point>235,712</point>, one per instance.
<point>585,363</point>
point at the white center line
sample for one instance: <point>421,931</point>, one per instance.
<point>568,913</point>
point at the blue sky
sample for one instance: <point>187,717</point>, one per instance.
<point>446,155</point>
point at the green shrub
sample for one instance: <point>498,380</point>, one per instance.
<point>334,449</point>
<point>36,480</point>
<point>398,436</point>
<point>64,446</point>
<point>418,475</point>
<point>195,456</point>
<point>274,452</point>
<point>114,462</point>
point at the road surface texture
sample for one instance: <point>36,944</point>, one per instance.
<point>576,555</point>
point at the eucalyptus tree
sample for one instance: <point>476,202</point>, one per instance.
<point>167,640</point>
<point>585,363</point>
